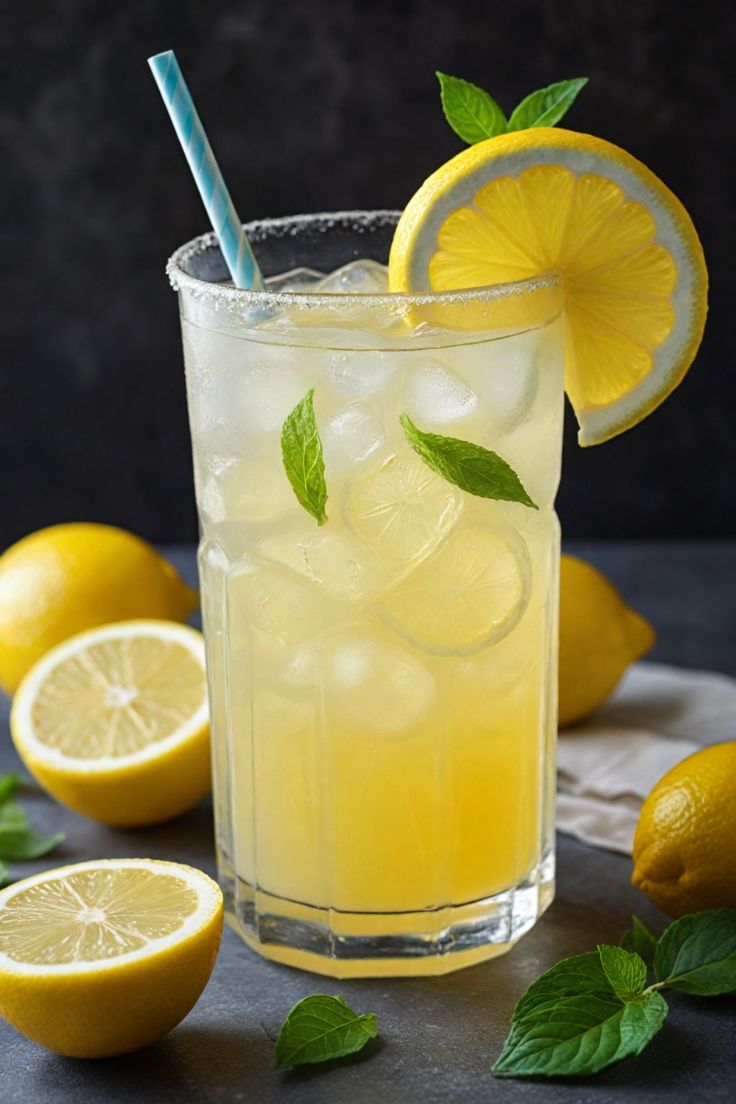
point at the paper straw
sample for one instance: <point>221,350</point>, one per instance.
<point>207,176</point>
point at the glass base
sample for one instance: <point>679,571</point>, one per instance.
<point>399,944</point>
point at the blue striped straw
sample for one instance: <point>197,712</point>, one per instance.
<point>235,246</point>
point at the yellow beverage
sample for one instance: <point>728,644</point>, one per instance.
<point>382,687</point>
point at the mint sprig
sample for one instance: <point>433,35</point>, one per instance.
<point>472,113</point>
<point>471,467</point>
<point>592,1010</point>
<point>18,841</point>
<point>320,1028</point>
<point>475,116</point>
<point>301,452</point>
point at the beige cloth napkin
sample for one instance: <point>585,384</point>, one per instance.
<point>607,766</point>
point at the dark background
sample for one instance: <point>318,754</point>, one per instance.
<point>313,106</point>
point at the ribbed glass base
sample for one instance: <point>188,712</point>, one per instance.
<point>386,944</point>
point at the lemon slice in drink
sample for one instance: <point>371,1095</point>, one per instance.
<point>114,723</point>
<point>402,509</point>
<point>103,957</point>
<point>469,594</point>
<point>551,200</point>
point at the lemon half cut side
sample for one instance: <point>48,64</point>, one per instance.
<point>114,722</point>
<point>104,957</point>
<point>549,200</point>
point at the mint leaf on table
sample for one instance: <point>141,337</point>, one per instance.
<point>472,113</point>
<point>319,1028</point>
<point>9,783</point>
<point>626,971</point>
<point>301,452</point>
<point>571,1021</point>
<point>697,954</point>
<point>471,467</point>
<point>546,106</point>
<point>18,841</point>
<point>641,939</point>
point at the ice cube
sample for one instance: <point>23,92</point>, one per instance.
<point>236,389</point>
<point>434,394</point>
<point>359,373</point>
<point>380,689</point>
<point>278,603</point>
<point>295,280</point>
<point>351,436</point>
<point>508,379</point>
<point>363,277</point>
<point>242,490</point>
<point>338,564</point>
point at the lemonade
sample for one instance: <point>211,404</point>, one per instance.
<point>382,686</point>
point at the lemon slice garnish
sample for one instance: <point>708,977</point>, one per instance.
<point>629,260</point>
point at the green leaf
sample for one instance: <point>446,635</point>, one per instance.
<point>626,970</point>
<point>571,1021</point>
<point>9,783</point>
<point>546,106</point>
<point>301,451</point>
<point>5,878</point>
<point>580,1035</point>
<point>319,1028</point>
<point>641,939</point>
<point>471,467</point>
<point>471,112</point>
<point>570,977</point>
<point>13,817</point>
<point>697,954</point>
<point>19,845</point>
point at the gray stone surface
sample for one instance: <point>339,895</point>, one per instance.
<point>438,1036</point>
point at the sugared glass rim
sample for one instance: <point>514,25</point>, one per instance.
<point>232,298</point>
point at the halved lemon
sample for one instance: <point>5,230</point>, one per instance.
<point>114,723</point>
<point>625,249</point>
<point>104,957</point>
<point>469,594</point>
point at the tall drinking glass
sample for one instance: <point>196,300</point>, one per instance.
<point>382,686</point>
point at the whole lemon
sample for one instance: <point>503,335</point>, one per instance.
<point>61,580</point>
<point>600,636</point>
<point>683,846</point>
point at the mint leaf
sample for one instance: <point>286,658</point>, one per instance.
<point>639,938</point>
<point>626,971</point>
<point>9,783</point>
<point>5,878</point>
<point>471,467</point>
<point>572,1022</point>
<point>301,452</point>
<point>471,112</point>
<point>697,954</point>
<point>21,845</point>
<point>18,841</point>
<point>546,106</point>
<point>319,1028</point>
<point>579,975</point>
<point>580,1035</point>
